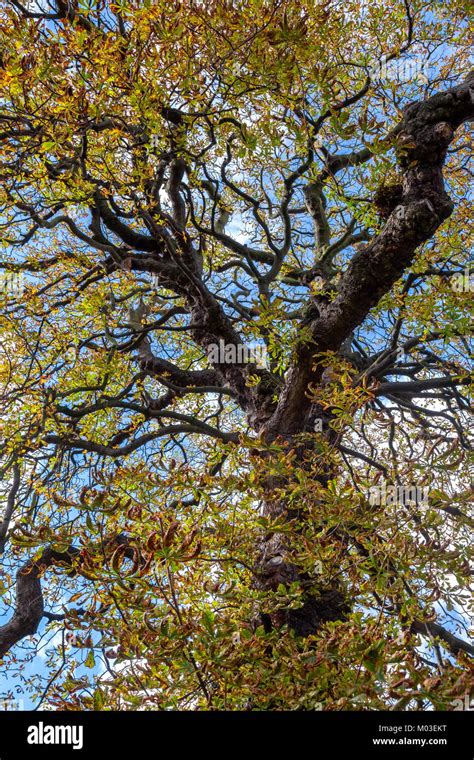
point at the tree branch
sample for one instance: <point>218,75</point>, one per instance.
<point>425,133</point>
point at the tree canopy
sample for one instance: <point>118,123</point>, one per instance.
<point>235,353</point>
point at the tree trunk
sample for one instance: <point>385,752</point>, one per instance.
<point>322,598</point>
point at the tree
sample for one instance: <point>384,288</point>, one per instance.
<point>236,381</point>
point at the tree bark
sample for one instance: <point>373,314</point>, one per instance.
<point>426,131</point>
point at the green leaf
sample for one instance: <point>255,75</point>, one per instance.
<point>90,660</point>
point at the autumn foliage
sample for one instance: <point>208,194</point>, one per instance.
<point>180,532</point>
